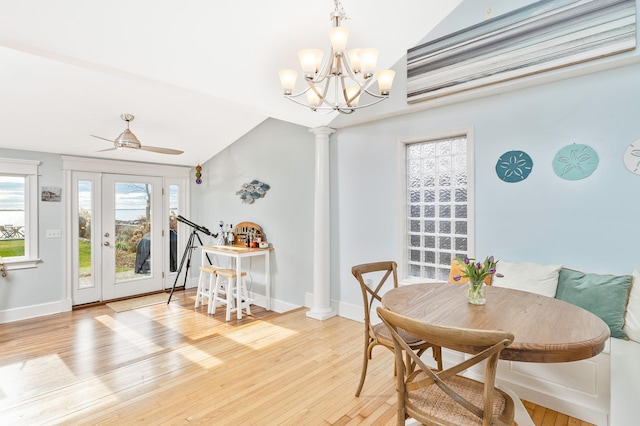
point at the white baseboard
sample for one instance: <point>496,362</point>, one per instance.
<point>345,310</point>
<point>33,311</point>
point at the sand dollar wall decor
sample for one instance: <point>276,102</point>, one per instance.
<point>514,166</point>
<point>576,161</point>
<point>632,157</point>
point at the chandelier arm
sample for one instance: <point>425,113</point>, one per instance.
<point>369,104</point>
<point>319,110</point>
<point>376,95</point>
<point>296,95</point>
<point>350,73</point>
<point>327,110</point>
<point>325,70</point>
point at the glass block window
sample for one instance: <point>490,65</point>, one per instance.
<point>437,206</point>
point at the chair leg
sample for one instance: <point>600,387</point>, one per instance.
<point>214,303</point>
<point>199,290</point>
<point>242,293</point>
<point>229,291</point>
<point>437,355</point>
<point>211,292</point>
<point>365,362</point>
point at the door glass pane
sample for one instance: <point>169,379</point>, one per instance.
<point>85,216</point>
<point>133,225</point>
<point>173,227</point>
<point>12,216</point>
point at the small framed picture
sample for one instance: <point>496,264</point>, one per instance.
<point>51,193</point>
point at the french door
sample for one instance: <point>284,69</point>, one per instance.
<point>124,241</point>
<point>131,241</point>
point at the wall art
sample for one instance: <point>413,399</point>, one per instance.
<point>540,37</point>
<point>632,157</point>
<point>51,193</point>
<point>576,161</point>
<point>514,166</point>
<point>249,192</point>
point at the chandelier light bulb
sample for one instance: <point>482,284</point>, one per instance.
<point>385,81</point>
<point>310,60</point>
<point>288,79</point>
<point>368,60</point>
<point>313,99</point>
<point>338,37</point>
<point>352,96</point>
<point>354,60</point>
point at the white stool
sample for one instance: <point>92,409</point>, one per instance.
<point>205,286</point>
<point>233,289</point>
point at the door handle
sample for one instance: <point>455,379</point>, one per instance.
<point>107,243</point>
<point>106,234</point>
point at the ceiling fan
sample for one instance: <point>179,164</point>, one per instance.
<point>127,140</point>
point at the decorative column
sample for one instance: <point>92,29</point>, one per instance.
<point>321,309</point>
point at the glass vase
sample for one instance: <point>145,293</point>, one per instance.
<point>476,293</point>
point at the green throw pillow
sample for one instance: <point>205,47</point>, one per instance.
<point>603,295</point>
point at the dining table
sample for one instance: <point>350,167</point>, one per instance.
<point>546,329</point>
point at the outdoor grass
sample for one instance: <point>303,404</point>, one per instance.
<point>124,261</point>
<point>11,248</point>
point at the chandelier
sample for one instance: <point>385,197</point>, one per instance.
<point>339,83</point>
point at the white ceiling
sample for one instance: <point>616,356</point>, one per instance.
<point>197,74</point>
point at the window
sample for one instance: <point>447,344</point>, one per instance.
<point>438,206</point>
<point>19,213</point>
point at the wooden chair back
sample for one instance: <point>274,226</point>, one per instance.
<point>421,383</point>
<point>371,294</point>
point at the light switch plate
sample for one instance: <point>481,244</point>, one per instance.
<point>54,233</point>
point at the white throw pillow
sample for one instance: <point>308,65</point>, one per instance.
<point>632,317</point>
<point>528,276</point>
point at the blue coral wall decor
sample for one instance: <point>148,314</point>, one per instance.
<point>514,166</point>
<point>252,191</point>
<point>576,161</point>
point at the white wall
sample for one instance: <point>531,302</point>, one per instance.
<point>281,155</point>
<point>586,224</point>
<point>39,289</point>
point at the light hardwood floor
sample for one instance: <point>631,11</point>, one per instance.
<point>176,365</point>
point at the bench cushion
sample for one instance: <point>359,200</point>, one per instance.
<point>632,318</point>
<point>528,276</point>
<point>603,295</point>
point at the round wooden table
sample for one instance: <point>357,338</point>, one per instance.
<point>545,329</point>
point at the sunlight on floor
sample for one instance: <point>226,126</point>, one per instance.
<point>128,334</point>
<point>198,356</point>
<point>254,337</point>
<point>32,374</point>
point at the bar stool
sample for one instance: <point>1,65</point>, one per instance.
<point>205,286</point>
<point>232,288</point>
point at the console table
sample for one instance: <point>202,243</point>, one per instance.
<point>237,253</point>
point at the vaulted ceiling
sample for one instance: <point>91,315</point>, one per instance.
<point>196,74</point>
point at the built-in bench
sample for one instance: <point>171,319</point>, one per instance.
<point>603,390</point>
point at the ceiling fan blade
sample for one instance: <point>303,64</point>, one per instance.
<point>108,149</point>
<point>161,150</point>
<point>100,137</point>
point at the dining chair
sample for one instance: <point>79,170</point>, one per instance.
<point>378,334</point>
<point>445,397</point>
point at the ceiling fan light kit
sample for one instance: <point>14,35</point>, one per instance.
<point>348,74</point>
<point>127,140</point>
